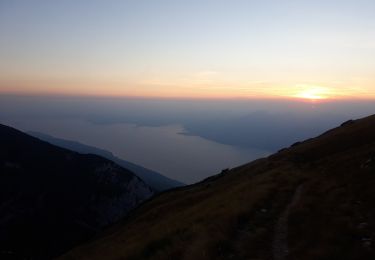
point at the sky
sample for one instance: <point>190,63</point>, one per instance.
<point>322,49</point>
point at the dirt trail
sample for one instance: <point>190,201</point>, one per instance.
<point>280,242</point>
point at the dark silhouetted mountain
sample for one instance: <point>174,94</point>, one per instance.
<point>155,180</point>
<point>52,198</point>
<point>313,200</point>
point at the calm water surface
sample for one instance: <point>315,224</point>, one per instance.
<point>164,149</point>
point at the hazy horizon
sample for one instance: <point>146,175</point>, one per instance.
<point>187,140</point>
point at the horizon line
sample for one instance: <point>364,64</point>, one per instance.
<point>153,97</point>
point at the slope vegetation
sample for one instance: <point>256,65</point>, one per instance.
<point>313,200</point>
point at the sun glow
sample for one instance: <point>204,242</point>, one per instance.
<point>313,93</point>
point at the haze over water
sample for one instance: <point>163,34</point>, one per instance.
<point>186,88</point>
<point>185,158</point>
<point>187,140</point>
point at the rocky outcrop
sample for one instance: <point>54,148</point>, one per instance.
<point>52,199</point>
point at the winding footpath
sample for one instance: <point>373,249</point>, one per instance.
<point>280,242</point>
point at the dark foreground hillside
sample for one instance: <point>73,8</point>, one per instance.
<point>314,200</point>
<point>52,199</point>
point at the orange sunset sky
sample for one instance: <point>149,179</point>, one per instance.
<point>199,49</point>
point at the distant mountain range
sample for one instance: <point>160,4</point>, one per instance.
<point>52,198</point>
<point>154,179</point>
<point>313,200</point>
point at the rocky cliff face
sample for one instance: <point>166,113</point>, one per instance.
<point>127,194</point>
<point>52,199</point>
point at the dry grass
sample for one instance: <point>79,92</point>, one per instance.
<point>233,216</point>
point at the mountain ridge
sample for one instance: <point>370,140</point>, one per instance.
<point>52,198</point>
<point>154,179</point>
<point>237,214</point>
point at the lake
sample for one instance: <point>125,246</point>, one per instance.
<point>166,149</point>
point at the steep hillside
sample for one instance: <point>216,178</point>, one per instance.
<point>52,198</point>
<point>154,179</point>
<point>314,200</point>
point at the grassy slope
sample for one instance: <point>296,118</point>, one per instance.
<point>233,215</point>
